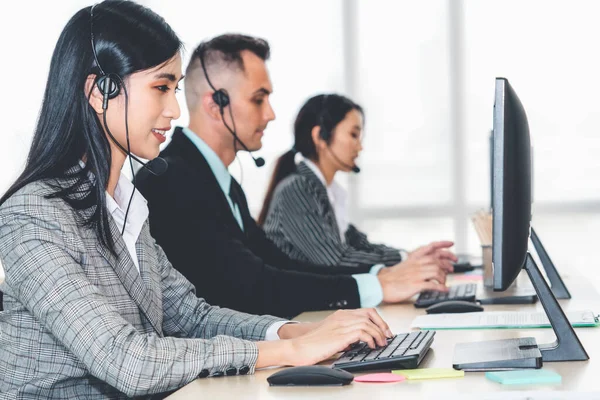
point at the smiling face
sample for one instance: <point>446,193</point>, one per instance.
<point>151,106</point>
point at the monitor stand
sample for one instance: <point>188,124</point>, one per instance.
<point>567,346</point>
<point>523,352</point>
<point>556,283</point>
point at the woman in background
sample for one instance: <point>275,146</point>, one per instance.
<point>305,209</point>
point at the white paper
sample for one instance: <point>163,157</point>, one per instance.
<point>497,319</point>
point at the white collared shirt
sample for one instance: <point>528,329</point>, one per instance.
<point>138,213</point>
<point>338,198</point>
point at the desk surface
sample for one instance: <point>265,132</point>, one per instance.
<point>576,376</point>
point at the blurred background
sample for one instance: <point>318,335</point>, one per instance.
<point>423,71</point>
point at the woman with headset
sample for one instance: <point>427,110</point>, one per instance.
<point>92,307</point>
<point>305,210</point>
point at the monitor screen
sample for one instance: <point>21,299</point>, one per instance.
<point>511,186</point>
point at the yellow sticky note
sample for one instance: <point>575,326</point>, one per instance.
<point>430,373</point>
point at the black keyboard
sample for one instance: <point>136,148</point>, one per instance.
<point>464,292</point>
<point>403,351</point>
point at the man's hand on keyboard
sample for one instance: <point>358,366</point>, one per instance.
<point>338,331</point>
<point>404,280</point>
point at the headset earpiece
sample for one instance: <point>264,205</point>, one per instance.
<point>221,98</point>
<point>324,133</point>
<point>108,87</point>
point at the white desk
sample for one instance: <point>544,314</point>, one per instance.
<point>576,376</point>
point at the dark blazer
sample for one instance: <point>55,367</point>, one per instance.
<point>302,223</point>
<point>192,221</point>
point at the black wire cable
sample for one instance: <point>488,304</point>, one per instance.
<point>128,148</point>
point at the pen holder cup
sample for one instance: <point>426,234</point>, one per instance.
<point>488,270</point>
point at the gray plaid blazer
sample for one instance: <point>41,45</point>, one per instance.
<point>302,223</point>
<point>80,323</point>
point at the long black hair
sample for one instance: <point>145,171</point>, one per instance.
<point>324,110</point>
<point>128,38</point>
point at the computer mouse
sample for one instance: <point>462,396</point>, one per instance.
<point>453,306</point>
<point>312,375</point>
<point>461,267</point>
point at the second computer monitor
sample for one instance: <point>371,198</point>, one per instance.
<point>511,186</point>
<point>511,203</point>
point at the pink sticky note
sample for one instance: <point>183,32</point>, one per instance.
<point>466,277</point>
<point>381,377</point>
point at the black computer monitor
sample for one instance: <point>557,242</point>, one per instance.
<point>511,186</point>
<point>511,174</point>
<point>511,210</point>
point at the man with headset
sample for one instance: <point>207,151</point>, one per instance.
<point>199,213</point>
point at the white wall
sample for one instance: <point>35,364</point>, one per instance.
<point>548,52</point>
<point>28,34</point>
<point>415,95</point>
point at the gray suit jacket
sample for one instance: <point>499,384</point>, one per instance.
<point>82,323</point>
<point>302,223</point>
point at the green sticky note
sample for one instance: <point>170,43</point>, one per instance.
<point>430,373</point>
<point>524,377</point>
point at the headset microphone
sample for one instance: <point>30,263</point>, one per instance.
<point>354,168</point>
<point>221,98</point>
<point>157,166</point>
<point>259,162</point>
